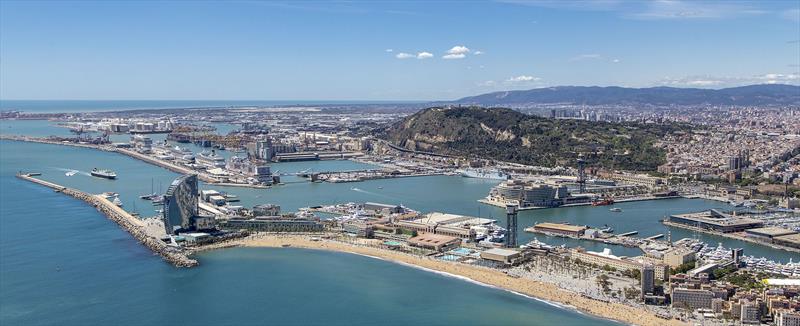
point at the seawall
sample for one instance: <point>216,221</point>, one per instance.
<point>129,223</point>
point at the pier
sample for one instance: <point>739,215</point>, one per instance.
<point>627,234</point>
<point>126,221</point>
<point>657,236</point>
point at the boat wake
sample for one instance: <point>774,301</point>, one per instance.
<point>71,172</point>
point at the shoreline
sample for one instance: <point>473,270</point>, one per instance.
<point>541,291</point>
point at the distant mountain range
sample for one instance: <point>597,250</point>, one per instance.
<point>658,96</point>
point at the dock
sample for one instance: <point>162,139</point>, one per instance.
<point>657,236</point>
<point>627,234</point>
<point>125,220</point>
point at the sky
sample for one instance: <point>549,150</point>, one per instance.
<point>386,50</point>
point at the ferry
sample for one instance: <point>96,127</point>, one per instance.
<point>492,174</point>
<point>101,173</point>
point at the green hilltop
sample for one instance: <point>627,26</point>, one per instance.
<point>507,135</point>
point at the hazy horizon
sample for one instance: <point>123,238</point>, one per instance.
<point>390,51</point>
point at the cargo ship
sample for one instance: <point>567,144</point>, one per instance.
<point>102,173</point>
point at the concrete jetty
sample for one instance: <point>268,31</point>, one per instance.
<point>128,222</point>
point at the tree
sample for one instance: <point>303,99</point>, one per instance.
<point>631,293</point>
<point>603,282</point>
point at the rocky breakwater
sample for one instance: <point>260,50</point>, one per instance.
<point>129,223</point>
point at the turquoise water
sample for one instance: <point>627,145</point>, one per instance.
<point>65,264</point>
<point>439,193</point>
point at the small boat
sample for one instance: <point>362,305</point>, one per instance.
<point>102,173</point>
<point>71,173</point>
<point>616,209</point>
<point>117,202</point>
<point>148,196</point>
<point>109,195</point>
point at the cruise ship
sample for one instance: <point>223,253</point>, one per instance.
<point>102,173</point>
<point>210,160</point>
<point>492,174</point>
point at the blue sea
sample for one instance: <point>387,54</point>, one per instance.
<point>59,106</point>
<point>63,263</point>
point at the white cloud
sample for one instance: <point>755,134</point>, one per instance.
<point>424,55</point>
<point>675,9</point>
<point>458,49</point>
<point>583,57</point>
<point>791,14</point>
<point>389,50</point>
<point>615,61</point>
<point>709,81</point>
<point>454,56</point>
<point>477,52</point>
<point>523,79</point>
<point>420,55</point>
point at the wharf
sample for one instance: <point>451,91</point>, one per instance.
<point>128,222</point>
<point>734,235</point>
<point>205,177</point>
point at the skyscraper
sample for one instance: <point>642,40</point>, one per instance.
<point>180,203</point>
<point>648,280</point>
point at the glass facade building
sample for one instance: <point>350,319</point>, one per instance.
<point>180,203</point>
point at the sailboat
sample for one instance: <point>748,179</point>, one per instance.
<point>152,192</point>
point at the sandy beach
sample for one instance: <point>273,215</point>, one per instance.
<point>540,290</point>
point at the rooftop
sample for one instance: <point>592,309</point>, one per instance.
<point>794,238</point>
<point>771,231</point>
<point>433,239</point>
<point>501,252</point>
<point>558,226</point>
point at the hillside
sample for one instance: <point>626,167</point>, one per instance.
<point>508,135</point>
<point>658,96</point>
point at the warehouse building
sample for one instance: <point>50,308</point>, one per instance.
<point>716,221</point>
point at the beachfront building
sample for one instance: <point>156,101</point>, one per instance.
<point>620,263</point>
<point>453,225</point>
<point>358,228</point>
<point>715,220</point>
<point>181,212</point>
<point>502,256</point>
<point>436,242</point>
<point>273,224</point>
<point>692,298</point>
